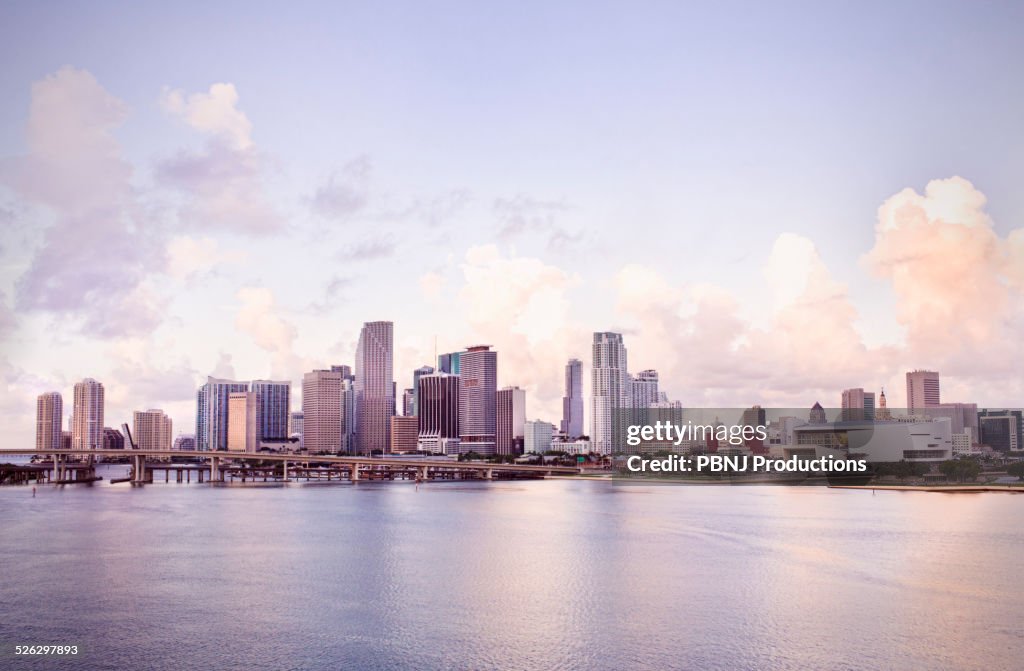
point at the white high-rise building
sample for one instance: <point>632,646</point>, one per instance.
<point>572,402</point>
<point>609,392</point>
<point>478,400</point>
<point>87,416</point>
<point>49,421</point>
<point>374,387</point>
<point>538,436</point>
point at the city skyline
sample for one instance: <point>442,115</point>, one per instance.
<point>747,225</point>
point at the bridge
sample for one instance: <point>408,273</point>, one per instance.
<point>66,463</point>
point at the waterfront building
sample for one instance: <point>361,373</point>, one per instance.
<point>416,375</point>
<point>274,404</point>
<point>539,436</point>
<point>404,434</point>
<point>87,416</point>
<point>184,443</point>
<point>244,421</point>
<point>322,419</point>
<point>572,402</point>
<point>49,421</point>
<point>858,405</point>
<point>439,413</point>
<point>926,441</point>
<point>511,420</point>
<point>374,387</point>
<point>1002,430</point>
<point>212,412</point>
<point>112,439</point>
<point>609,392</point>
<point>152,430</point>
<point>478,372</point>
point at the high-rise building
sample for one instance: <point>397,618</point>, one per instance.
<point>478,371</point>
<point>511,420</point>
<point>416,375</point>
<point>374,387</point>
<point>212,412</point>
<point>572,402</point>
<point>408,403</point>
<point>322,420</point>
<point>643,389</point>
<point>87,416</point>
<point>538,436</point>
<point>962,416</point>
<point>152,430</point>
<point>49,420</point>
<point>449,363</point>
<point>404,434</point>
<point>295,426</point>
<point>275,404</point>
<point>439,413</point>
<point>244,421</point>
<point>922,390</point>
<point>609,392</point>
<point>817,415</point>
<point>858,405</point>
<point>184,443</point>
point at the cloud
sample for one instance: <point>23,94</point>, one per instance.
<point>224,184</point>
<point>102,242</point>
<point>367,250</point>
<point>431,285</point>
<point>214,112</point>
<point>521,215</point>
<point>189,257</point>
<point>258,317</point>
<point>346,191</point>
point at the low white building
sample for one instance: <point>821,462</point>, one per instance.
<point>925,441</point>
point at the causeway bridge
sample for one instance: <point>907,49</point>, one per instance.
<point>66,466</point>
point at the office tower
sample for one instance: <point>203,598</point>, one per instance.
<point>572,402</point>
<point>858,405</point>
<point>404,434</point>
<point>244,421</point>
<point>374,387</point>
<point>348,414</point>
<point>152,430</point>
<point>322,421</point>
<point>112,439</point>
<point>49,420</point>
<point>1002,430</point>
<point>643,389</point>
<point>817,415</point>
<point>295,423</point>
<point>345,370</point>
<point>275,404</point>
<point>511,420</point>
<point>962,416</point>
<point>416,375</point>
<point>449,363</point>
<point>922,390</point>
<point>212,412</point>
<point>184,443</point>
<point>408,403</point>
<point>754,416</point>
<point>439,413</point>
<point>478,371</point>
<point>538,436</point>
<point>65,440</point>
<point>87,416</point>
<point>609,392</point>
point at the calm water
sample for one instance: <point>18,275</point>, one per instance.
<point>535,575</point>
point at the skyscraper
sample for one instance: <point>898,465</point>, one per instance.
<point>49,420</point>
<point>439,413</point>
<point>416,375</point>
<point>538,436</point>
<point>449,363</point>
<point>478,370</point>
<point>511,420</point>
<point>87,416</point>
<point>212,412</point>
<point>274,405</point>
<point>244,421</point>
<point>152,430</point>
<point>408,403</point>
<point>858,405</point>
<point>609,391</point>
<point>375,387</point>
<point>322,421</point>
<point>572,402</point>
<point>922,389</point>
<point>643,389</point>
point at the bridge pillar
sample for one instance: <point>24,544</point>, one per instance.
<point>354,472</point>
<point>215,469</point>
<point>424,472</point>
<point>285,471</point>
<point>489,474</point>
<point>56,467</point>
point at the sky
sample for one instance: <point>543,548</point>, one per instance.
<point>772,203</point>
